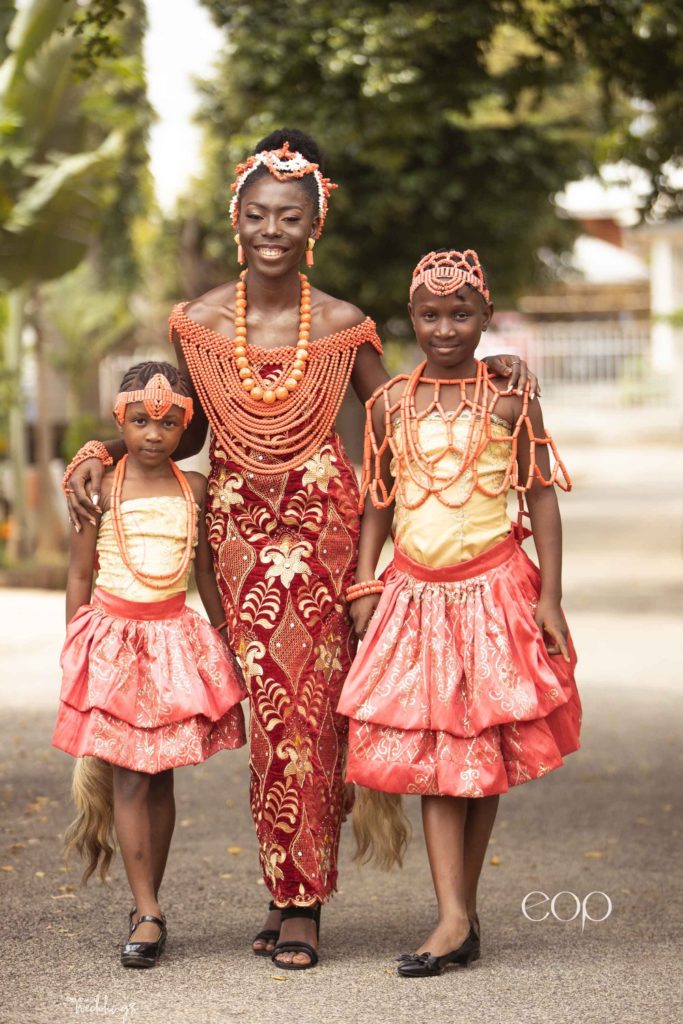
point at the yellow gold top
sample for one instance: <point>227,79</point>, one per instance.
<point>156,531</point>
<point>433,534</point>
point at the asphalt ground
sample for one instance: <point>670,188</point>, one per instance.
<point>608,822</point>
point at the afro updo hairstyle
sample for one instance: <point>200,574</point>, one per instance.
<point>299,142</point>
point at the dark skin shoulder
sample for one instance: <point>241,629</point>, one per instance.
<point>197,482</point>
<point>216,310</point>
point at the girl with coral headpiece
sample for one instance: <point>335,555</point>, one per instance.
<point>464,683</point>
<point>147,684</point>
<point>270,359</point>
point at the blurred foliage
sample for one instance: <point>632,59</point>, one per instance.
<point>81,428</point>
<point>48,155</point>
<point>444,124</point>
<point>73,157</point>
<point>8,382</point>
<point>7,12</point>
<point>92,22</point>
<point>74,186</point>
<point>636,51</point>
<point>86,320</point>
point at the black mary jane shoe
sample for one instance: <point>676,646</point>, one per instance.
<point>145,954</point>
<point>267,935</point>
<point>425,965</point>
<point>292,946</point>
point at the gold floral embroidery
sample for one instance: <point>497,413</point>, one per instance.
<point>272,856</point>
<point>249,653</point>
<point>328,653</point>
<point>287,558</point>
<point>290,626</point>
<point>298,750</point>
<point>319,468</point>
<point>223,490</point>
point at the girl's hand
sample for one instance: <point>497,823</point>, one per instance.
<point>515,368</point>
<point>361,611</point>
<point>83,493</point>
<point>223,634</point>
<point>550,621</point>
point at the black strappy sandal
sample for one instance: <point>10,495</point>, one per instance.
<point>292,945</point>
<point>267,935</point>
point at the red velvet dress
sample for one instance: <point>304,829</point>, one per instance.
<point>285,547</point>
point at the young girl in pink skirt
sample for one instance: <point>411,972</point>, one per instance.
<point>464,683</point>
<point>148,685</point>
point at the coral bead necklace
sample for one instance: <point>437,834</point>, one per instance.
<point>280,390</point>
<point>157,581</point>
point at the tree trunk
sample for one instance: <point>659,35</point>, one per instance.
<point>50,529</point>
<point>19,542</point>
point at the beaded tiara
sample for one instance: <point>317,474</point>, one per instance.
<point>284,164</point>
<point>444,272</point>
<point>157,397</point>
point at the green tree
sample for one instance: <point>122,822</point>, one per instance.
<point>443,123</point>
<point>635,51</point>
<point>69,170</point>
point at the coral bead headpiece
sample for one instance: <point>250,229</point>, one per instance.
<point>284,164</point>
<point>157,397</point>
<point>444,272</point>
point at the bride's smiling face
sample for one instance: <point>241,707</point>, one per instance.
<point>276,219</point>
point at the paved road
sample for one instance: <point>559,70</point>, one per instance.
<point>607,822</point>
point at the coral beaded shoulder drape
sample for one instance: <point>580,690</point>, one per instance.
<point>282,519</point>
<point>289,432</point>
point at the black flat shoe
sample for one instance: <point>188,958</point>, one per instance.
<point>425,965</point>
<point>292,946</point>
<point>145,954</point>
<point>267,935</point>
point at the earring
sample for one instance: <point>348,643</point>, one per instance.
<point>309,252</point>
<point>240,250</point>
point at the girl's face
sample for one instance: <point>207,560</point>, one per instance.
<point>276,219</point>
<point>448,327</point>
<point>150,441</point>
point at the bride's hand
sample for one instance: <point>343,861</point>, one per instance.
<point>83,493</point>
<point>517,372</point>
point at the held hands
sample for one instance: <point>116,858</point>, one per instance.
<point>361,611</point>
<point>550,621</point>
<point>83,493</point>
<point>517,372</point>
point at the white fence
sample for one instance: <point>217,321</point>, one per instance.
<point>588,361</point>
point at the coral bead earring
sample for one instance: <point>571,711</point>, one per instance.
<point>309,252</point>
<point>240,250</point>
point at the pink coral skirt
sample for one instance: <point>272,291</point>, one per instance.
<point>147,686</point>
<point>452,690</point>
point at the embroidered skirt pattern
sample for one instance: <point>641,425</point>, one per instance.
<point>284,551</point>
<point>452,691</point>
<point>146,685</point>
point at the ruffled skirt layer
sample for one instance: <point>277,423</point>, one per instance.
<point>452,690</point>
<point>146,686</point>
